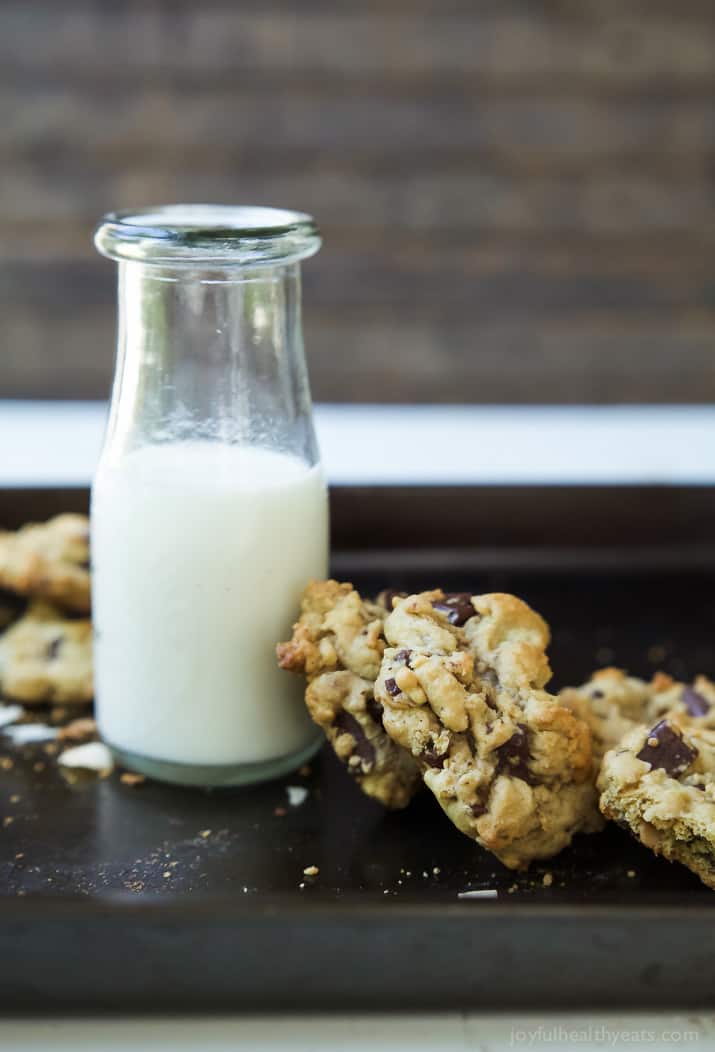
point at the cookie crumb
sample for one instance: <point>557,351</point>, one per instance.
<point>436,871</point>
<point>205,834</point>
<point>631,873</point>
<point>30,733</point>
<point>132,778</point>
<point>547,880</point>
<point>166,874</point>
<point>311,871</point>
<point>8,821</point>
<point>6,763</point>
<point>9,714</point>
<point>94,756</point>
<point>78,730</point>
<point>15,798</point>
<point>297,795</point>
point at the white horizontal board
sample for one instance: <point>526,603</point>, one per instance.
<point>57,444</point>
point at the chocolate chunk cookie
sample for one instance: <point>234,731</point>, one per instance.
<point>338,644</point>
<point>49,560</point>
<point>46,657</point>
<point>613,703</point>
<point>337,629</point>
<point>461,687</point>
<point>659,783</point>
<point>343,704</point>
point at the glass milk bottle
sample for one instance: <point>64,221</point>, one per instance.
<point>209,509</point>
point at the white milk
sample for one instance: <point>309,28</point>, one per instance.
<point>200,552</point>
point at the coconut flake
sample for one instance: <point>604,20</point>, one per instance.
<point>10,714</point>
<point>297,795</point>
<point>94,756</point>
<point>27,733</point>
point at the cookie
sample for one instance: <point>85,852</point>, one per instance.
<point>46,657</point>
<point>659,783</point>
<point>344,706</point>
<point>337,629</point>
<point>49,560</point>
<point>613,703</point>
<point>461,685</point>
<point>338,644</point>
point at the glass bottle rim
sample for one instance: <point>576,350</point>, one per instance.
<point>220,235</point>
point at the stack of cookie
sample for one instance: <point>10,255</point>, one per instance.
<point>46,640</point>
<point>447,690</point>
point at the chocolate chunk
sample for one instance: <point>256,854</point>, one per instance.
<point>84,565</point>
<point>53,648</point>
<point>391,687</point>
<point>597,694</point>
<point>374,709</point>
<point>457,606</point>
<point>8,598</point>
<point>403,656</point>
<point>666,749</point>
<point>478,810</point>
<point>11,606</point>
<point>433,757</point>
<point>347,724</point>
<point>695,703</point>
<point>514,754</point>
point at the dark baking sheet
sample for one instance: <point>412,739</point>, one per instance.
<point>154,898</point>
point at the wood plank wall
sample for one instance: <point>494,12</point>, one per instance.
<point>517,197</point>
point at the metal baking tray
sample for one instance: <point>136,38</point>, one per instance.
<point>161,899</point>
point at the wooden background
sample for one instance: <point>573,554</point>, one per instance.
<point>517,197</point>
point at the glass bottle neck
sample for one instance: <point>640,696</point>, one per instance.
<point>211,354</point>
